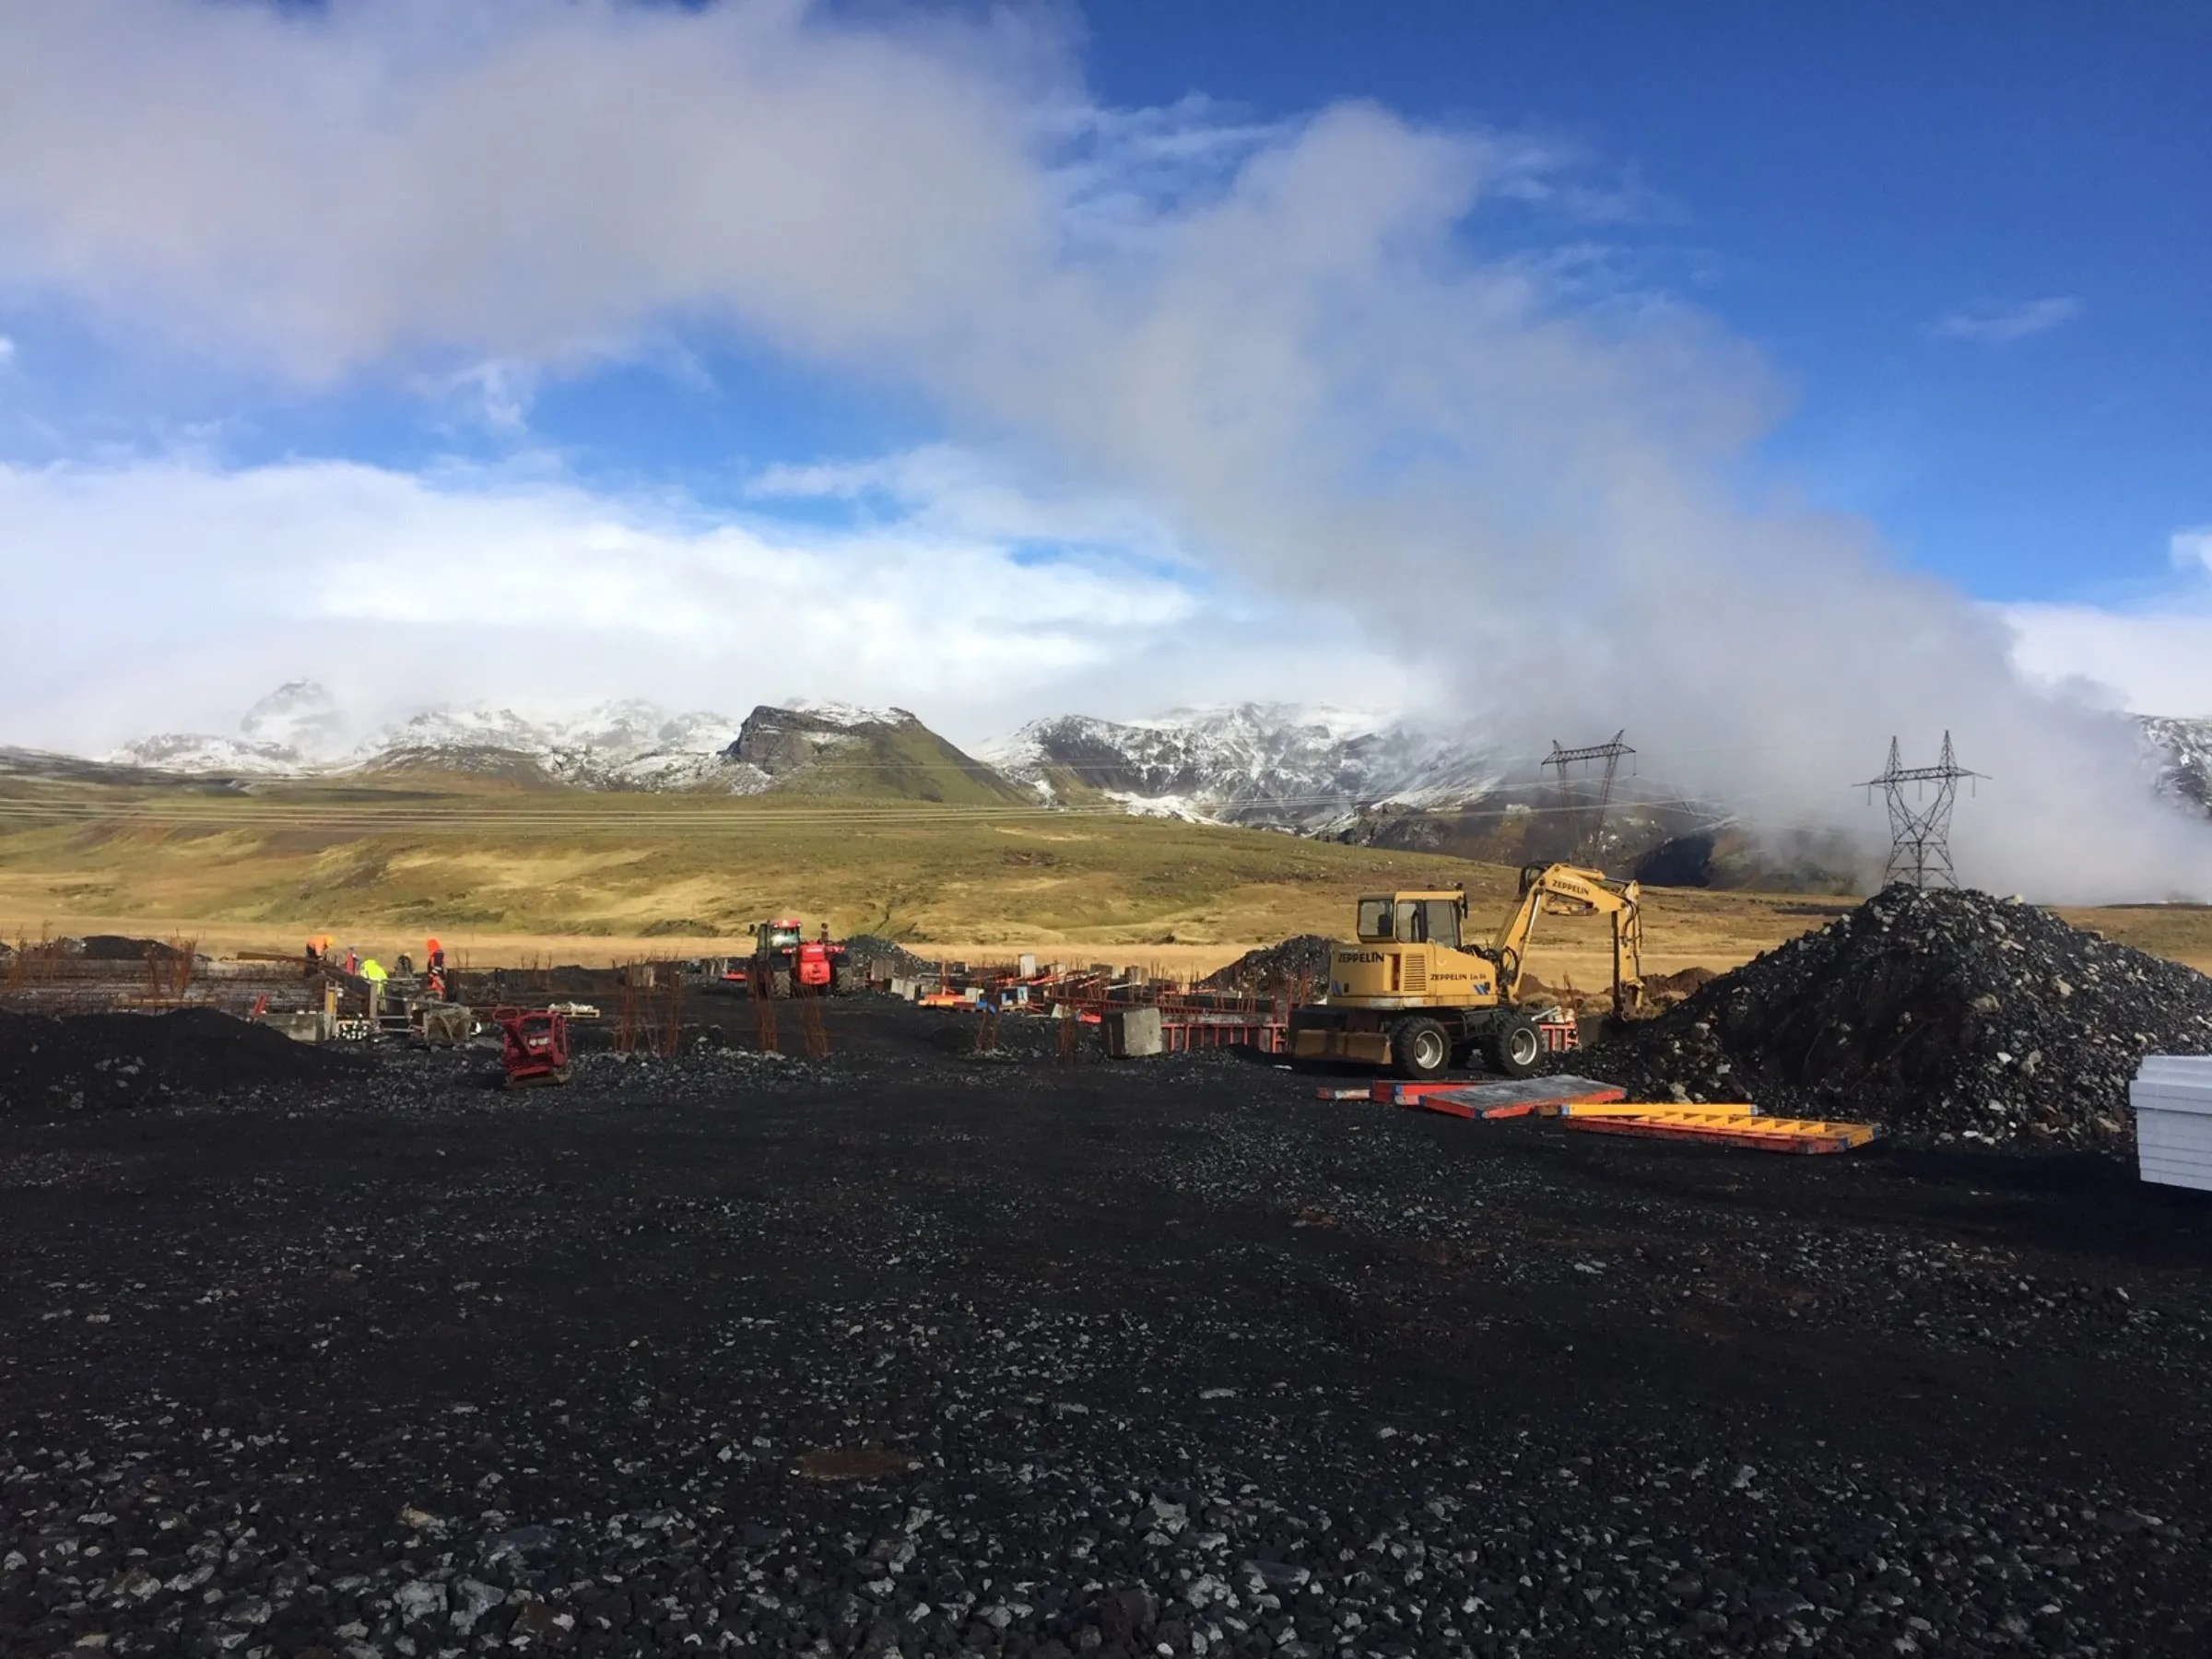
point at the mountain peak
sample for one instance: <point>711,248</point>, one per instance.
<point>299,715</point>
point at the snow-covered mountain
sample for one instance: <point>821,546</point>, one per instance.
<point>1271,765</point>
<point>1314,771</point>
<point>627,745</point>
<point>297,728</point>
<point>298,731</point>
<point>2181,751</point>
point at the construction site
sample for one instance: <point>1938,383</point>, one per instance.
<point>1366,1294</point>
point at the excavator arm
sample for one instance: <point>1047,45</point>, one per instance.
<point>1567,890</point>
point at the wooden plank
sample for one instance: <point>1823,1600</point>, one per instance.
<point>1755,1135</point>
<point>1633,1108</point>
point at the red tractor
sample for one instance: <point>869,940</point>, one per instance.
<point>786,963</point>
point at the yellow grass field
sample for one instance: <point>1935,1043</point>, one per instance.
<point>513,875</point>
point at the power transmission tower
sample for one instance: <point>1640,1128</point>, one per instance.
<point>1920,830</point>
<point>1590,844</point>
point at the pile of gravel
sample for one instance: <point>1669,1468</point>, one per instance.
<point>1276,966</point>
<point>1941,1015</point>
<point>890,957</point>
<point>54,1063</point>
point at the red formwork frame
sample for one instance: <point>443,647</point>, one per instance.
<point>1269,1037</point>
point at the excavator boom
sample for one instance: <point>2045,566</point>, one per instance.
<point>1567,890</point>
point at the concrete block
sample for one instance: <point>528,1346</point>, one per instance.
<point>1133,1033</point>
<point>311,1026</point>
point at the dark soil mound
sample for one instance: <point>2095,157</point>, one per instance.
<point>1276,966</point>
<point>79,1062</point>
<point>890,958</point>
<point>119,947</point>
<point>1943,1014</point>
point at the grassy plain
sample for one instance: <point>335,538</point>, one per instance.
<point>502,872</point>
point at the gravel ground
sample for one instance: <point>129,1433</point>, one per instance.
<point>905,1351</point>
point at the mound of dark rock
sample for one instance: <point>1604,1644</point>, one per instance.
<point>878,958</point>
<point>1276,966</point>
<point>121,947</point>
<point>1936,1014</point>
<point>53,1063</point>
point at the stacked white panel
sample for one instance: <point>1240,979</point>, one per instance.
<point>2173,1099</point>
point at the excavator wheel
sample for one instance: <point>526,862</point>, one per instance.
<point>1419,1048</point>
<point>1516,1047</point>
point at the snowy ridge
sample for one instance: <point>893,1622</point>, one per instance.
<point>1262,765</point>
<point>297,731</point>
<point>627,745</point>
<point>2182,751</point>
<point>835,713</point>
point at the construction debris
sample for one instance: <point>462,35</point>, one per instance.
<point>1943,1014</point>
<point>1508,1097</point>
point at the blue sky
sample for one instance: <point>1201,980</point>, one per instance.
<point>1003,361</point>
<point>1834,183</point>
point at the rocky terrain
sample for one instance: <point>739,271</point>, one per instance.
<point>911,1351</point>
<point>1953,1015</point>
<point>1300,961</point>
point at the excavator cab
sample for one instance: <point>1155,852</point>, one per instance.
<point>1411,919</point>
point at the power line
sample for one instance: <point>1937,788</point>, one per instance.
<point>1920,830</point>
<point>1590,844</point>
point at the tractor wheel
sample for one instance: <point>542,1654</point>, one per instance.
<point>1516,1047</point>
<point>779,984</point>
<point>1419,1048</point>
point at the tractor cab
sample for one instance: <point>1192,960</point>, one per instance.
<point>784,934</point>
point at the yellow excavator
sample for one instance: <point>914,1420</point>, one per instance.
<point>1409,994</point>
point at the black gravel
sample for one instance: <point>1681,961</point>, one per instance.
<point>1302,957</point>
<point>890,957</point>
<point>54,1064</point>
<point>1948,1016</point>
<point>914,1351</point>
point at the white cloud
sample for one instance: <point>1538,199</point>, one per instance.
<point>2191,550</point>
<point>1279,343</point>
<point>2001,324</point>
<point>2152,659</point>
<point>957,492</point>
<point>152,583</point>
<point>7,352</point>
<point>2151,663</point>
